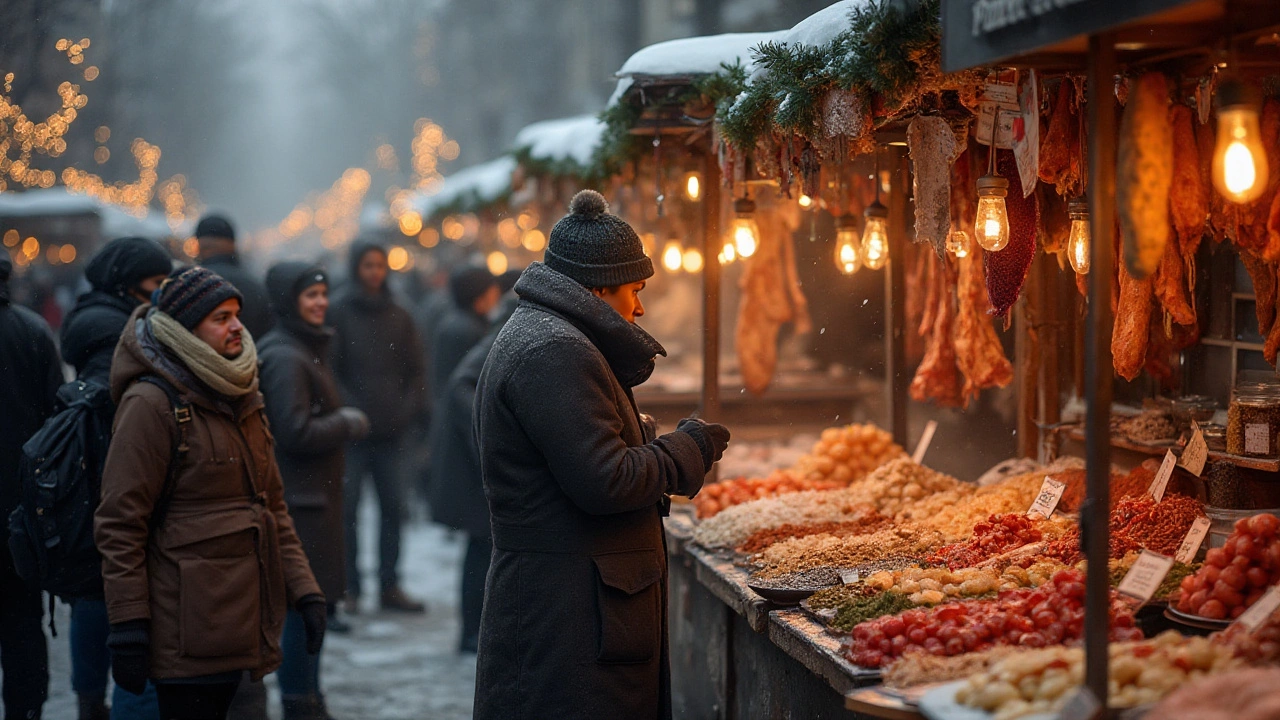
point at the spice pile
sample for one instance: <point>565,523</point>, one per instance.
<point>1237,574</point>
<point>996,536</point>
<point>906,539</point>
<point>1136,523</point>
<point>854,604</point>
<point>762,539</point>
<point>1149,426</point>
<point>955,517</point>
<point>731,527</point>
<point>727,493</point>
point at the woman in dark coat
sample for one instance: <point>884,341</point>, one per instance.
<point>575,619</point>
<point>310,426</point>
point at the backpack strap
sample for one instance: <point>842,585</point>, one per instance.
<point>182,417</point>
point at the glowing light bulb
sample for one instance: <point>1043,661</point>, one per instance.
<point>848,254</point>
<point>1239,160</point>
<point>672,256</point>
<point>1078,242</point>
<point>497,262</point>
<point>728,254</point>
<point>991,227</point>
<point>875,236</point>
<point>743,231</point>
<point>693,186</point>
<point>692,261</point>
<point>958,243</point>
<point>806,202</point>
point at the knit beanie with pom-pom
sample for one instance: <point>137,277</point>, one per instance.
<point>595,247</point>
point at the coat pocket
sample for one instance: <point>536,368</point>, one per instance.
<point>220,604</point>
<point>628,606</point>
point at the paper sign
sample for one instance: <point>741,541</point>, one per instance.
<point>922,447</point>
<point>1082,704</point>
<point>1191,544</point>
<point>1047,501</point>
<point>1257,614</point>
<point>1257,438</point>
<point>1026,135</point>
<point>849,577</point>
<point>1144,578</point>
<point>1195,453</point>
<point>1156,491</point>
<point>1003,96</point>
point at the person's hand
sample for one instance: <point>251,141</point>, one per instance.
<point>315,618</point>
<point>712,439</point>
<point>130,644</point>
<point>357,422</point>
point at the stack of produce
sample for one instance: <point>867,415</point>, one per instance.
<point>762,539</point>
<point>1048,615</point>
<point>956,516</point>
<point>1237,574</point>
<point>930,586</point>
<point>922,668</point>
<point>1248,694</point>
<point>847,454</point>
<point>718,496</point>
<point>797,554</point>
<point>1261,646</point>
<point>901,484</point>
<point>1141,672</point>
<point>996,536</point>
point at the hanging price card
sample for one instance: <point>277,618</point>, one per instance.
<point>1047,501</point>
<point>1026,135</point>
<point>1156,491</point>
<point>926,437</point>
<point>1002,96</point>
<point>1196,452</point>
<point>1144,578</point>
<point>1191,544</point>
<point>1258,612</point>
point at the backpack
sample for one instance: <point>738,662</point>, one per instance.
<point>60,474</point>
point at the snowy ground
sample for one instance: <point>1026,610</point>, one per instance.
<point>391,666</point>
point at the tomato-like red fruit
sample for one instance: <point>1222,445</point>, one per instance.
<point>1213,609</point>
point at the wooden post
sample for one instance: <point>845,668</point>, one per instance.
<point>895,293</point>
<point>711,273</point>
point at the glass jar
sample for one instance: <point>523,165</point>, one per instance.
<point>1215,436</point>
<point>1253,422</point>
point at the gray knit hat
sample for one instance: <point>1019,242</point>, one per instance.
<point>596,248</point>
<point>190,295</point>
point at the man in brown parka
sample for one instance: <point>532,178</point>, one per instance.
<point>200,560</point>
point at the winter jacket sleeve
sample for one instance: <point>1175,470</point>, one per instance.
<point>562,396</point>
<point>298,578</point>
<point>413,360</point>
<point>132,480</point>
<point>288,401</point>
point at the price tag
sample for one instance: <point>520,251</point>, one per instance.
<point>922,447</point>
<point>1144,578</point>
<point>1002,96</point>
<point>1196,452</point>
<point>1257,438</point>
<point>1258,612</point>
<point>1081,704</point>
<point>849,577</point>
<point>1047,501</point>
<point>1191,544</point>
<point>1156,491</point>
<point>1026,135</point>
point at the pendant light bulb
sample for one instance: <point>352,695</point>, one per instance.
<point>743,231</point>
<point>728,254</point>
<point>991,226</point>
<point>672,256</point>
<point>693,186</point>
<point>1239,160</point>
<point>958,243</point>
<point>875,236</point>
<point>848,245</point>
<point>1079,241</point>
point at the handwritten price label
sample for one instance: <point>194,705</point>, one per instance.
<point>1144,578</point>
<point>1195,536</point>
<point>1258,612</point>
<point>1047,501</point>
<point>1156,491</point>
<point>1196,453</point>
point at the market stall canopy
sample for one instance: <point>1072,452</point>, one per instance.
<point>469,189</point>
<point>58,201</point>
<point>688,58</point>
<point>562,147</point>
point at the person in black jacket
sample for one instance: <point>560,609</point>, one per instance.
<point>378,360</point>
<point>311,426</point>
<point>122,276</point>
<point>217,240</point>
<point>457,492</point>
<point>474,291</point>
<point>574,622</point>
<point>30,373</point>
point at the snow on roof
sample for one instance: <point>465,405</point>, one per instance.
<point>574,138</point>
<point>821,27</point>
<point>118,223</point>
<point>478,184</point>
<point>693,56</point>
<point>115,221</point>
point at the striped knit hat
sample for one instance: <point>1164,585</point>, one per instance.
<point>192,294</point>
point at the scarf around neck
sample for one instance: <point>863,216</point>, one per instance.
<point>231,378</point>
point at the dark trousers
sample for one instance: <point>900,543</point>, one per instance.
<point>475,568</point>
<point>24,656</point>
<point>91,663</point>
<point>195,701</point>
<point>375,459</point>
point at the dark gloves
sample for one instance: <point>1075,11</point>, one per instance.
<point>712,439</point>
<point>649,424</point>
<point>315,616</point>
<point>357,422</point>
<point>130,644</point>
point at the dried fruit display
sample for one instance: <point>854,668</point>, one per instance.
<point>955,517</point>
<point>1144,172</point>
<point>899,484</point>
<point>1248,694</point>
<point>1006,270</point>
<point>930,586</point>
<point>1048,615</point>
<point>847,454</point>
<point>1136,522</point>
<point>997,535</point>
<point>727,493</point>
<point>1237,574</point>
<point>922,668</point>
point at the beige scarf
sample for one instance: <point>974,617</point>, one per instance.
<point>230,378</point>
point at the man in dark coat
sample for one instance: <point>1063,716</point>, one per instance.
<point>474,291</point>
<point>378,361</point>
<point>457,492</point>
<point>311,426</point>
<point>30,373</point>
<point>217,240</point>
<point>575,620</point>
<point>122,276</point>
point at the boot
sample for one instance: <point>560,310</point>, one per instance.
<point>304,707</point>
<point>92,708</point>
<point>395,599</point>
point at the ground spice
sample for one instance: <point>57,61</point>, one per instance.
<point>764,538</point>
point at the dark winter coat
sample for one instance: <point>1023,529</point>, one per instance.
<point>575,606</point>
<point>30,373</point>
<point>91,331</point>
<point>216,578</point>
<point>301,396</point>
<point>458,331</point>
<point>255,312</point>
<point>378,359</point>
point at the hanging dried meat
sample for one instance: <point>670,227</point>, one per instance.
<point>1263,275</point>
<point>1061,160</point>
<point>1055,223</point>
<point>770,297</point>
<point>1144,171</point>
<point>1189,210</point>
<point>938,378</point>
<point>1171,287</point>
<point>933,147</point>
<point>1131,331</point>
<point>1263,209</point>
<point>979,354</point>
<point>1007,269</point>
<point>1272,343</point>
